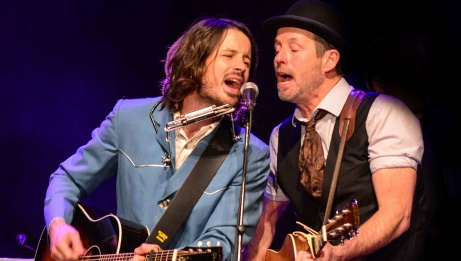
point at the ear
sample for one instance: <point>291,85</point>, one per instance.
<point>330,60</point>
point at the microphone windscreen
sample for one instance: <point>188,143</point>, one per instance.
<point>249,86</point>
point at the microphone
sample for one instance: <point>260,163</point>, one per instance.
<point>249,91</point>
<point>200,115</point>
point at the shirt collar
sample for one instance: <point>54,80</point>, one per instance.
<point>332,103</point>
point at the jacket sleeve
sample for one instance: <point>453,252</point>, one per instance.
<point>83,172</point>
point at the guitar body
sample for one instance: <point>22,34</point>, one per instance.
<point>100,233</point>
<point>110,238</point>
<point>289,251</point>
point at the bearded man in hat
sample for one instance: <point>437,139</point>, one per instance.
<point>355,201</point>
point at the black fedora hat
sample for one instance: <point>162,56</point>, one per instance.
<point>315,16</point>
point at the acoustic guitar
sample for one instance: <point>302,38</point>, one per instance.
<point>110,238</point>
<point>344,225</point>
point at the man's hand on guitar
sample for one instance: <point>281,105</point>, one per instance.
<point>65,242</point>
<point>304,255</point>
<point>143,250</point>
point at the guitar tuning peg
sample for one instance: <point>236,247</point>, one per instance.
<point>208,244</point>
<point>218,243</point>
<point>199,244</point>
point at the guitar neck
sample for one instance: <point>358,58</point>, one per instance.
<point>109,257</point>
<point>211,254</point>
<point>165,255</point>
<point>315,243</point>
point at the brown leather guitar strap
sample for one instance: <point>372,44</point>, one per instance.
<point>347,115</point>
<point>346,129</point>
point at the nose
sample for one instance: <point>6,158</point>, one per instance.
<point>279,58</point>
<point>240,67</point>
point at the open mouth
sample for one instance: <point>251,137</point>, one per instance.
<point>234,83</point>
<point>283,77</point>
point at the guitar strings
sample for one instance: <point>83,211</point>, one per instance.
<point>160,256</point>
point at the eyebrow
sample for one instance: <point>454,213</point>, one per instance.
<point>233,51</point>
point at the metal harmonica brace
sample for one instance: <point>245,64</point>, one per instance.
<point>200,115</point>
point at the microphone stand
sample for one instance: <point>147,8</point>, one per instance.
<point>240,226</point>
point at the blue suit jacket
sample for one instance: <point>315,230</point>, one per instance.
<point>127,145</point>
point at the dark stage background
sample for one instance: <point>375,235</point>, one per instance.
<point>63,65</point>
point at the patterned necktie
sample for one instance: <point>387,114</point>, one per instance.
<point>311,159</point>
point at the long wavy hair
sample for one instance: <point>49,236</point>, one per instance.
<point>185,60</point>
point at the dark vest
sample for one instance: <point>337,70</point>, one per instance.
<point>354,180</point>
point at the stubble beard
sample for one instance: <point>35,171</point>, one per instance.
<point>208,96</point>
<point>303,90</point>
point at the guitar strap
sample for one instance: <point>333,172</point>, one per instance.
<point>346,129</point>
<point>348,113</point>
<point>193,187</point>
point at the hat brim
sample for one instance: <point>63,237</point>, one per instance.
<point>271,25</point>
